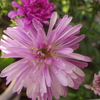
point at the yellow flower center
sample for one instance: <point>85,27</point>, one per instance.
<point>44,53</point>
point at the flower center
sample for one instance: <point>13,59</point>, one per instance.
<point>44,53</point>
<point>37,6</point>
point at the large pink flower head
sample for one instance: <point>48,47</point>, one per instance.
<point>96,84</point>
<point>48,63</point>
<point>38,9</point>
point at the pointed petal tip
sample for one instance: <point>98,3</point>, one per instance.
<point>80,25</point>
<point>87,86</point>
<point>71,18</point>
<point>2,74</point>
<point>3,56</point>
<point>88,59</point>
<point>12,14</point>
<point>13,2</point>
<point>83,36</point>
<point>54,13</point>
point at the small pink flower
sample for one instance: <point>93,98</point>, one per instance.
<point>98,1</point>
<point>38,9</point>
<point>48,63</point>
<point>96,84</point>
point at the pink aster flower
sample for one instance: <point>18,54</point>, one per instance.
<point>38,9</point>
<point>96,84</point>
<point>98,1</point>
<point>48,63</point>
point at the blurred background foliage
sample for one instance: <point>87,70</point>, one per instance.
<point>86,12</point>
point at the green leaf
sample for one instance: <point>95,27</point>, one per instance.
<point>4,62</point>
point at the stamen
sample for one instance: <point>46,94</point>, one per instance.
<point>44,53</point>
<point>37,6</point>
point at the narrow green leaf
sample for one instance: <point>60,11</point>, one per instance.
<point>4,62</point>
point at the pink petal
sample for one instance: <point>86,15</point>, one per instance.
<point>60,76</point>
<point>79,64</point>
<point>80,57</point>
<point>15,4</point>
<point>12,66</point>
<point>47,77</point>
<point>10,55</point>
<point>60,64</point>
<point>12,14</point>
<point>74,41</point>
<point>48,60</point>
<point>70,82</point>
<point>75,46</point>
<point>43,88</point>
<point>78,71</point>
<point>68,33</point>
<point>20,12</point>
<point>62,24</point>
<point>36,24</point>
<point>87,86</point>
<point>52,22</point>
<point>73,75</point>
<point>64,50</point>
<point>41,35</point>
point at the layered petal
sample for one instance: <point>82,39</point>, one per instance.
<point>47,62</point>
<point>30,9</point>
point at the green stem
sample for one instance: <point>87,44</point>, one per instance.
<point>92,18</point>
<point>72,7</point>
<point>94,12</point>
